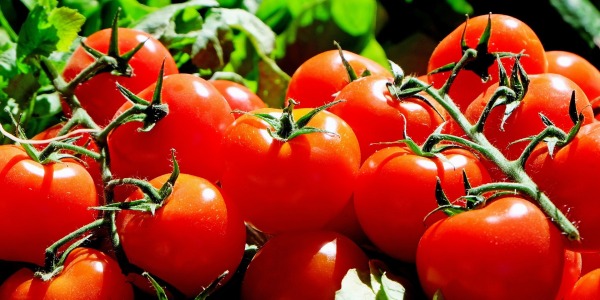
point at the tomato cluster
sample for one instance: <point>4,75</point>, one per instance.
<point>476,177</point>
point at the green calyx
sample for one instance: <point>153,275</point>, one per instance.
<point>286,127</point>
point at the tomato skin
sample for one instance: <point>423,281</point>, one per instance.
<point>572,272</point>
<point>190,241</point>
<point>41,203</point>
<point>508,249</point>
<point>238,95</point>
<point>576,68</point>
<point>321,77</point>
<point>587,287</point>
<point>299,184</point>
<point>376,116</point>
<point>302,265</point>
<point>565,178</point>
<point>88,274</point>
<point>508,34</point>
<point>194,127</point>
<point>548,94</point>
<point>395,190</point>
<point>99,95</point>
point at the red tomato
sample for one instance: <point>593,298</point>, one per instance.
<point>377,116</point>
<point>508,249</point>
<point>84,140</point>
<point>395,190</point>
<point>302,183</point>
<point>567,178</point>
<point>238,95</point>
<point>88,274</point>
<point>571,273</point>
<point>576,68</point>
<point>587,287</point>
<point>548,94</point>
<point>99,95</point>
<point>41,203</point>
<point>317,81</point>
<point>302,265</point>
<point>508,34</point>
<point>190,241</point>
<point>589,261</point>
<point>194,127</point>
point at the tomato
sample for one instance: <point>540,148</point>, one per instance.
<point>589,261</point>
<point>508,34</point>
<point>85,140</point>
<point>377,116</point>
<point>571,273</point>
<point>395,191</point>
<point>576,68</point>
<point>508,249</point>
<point>99,95</point>
<point>548,94</point>
<point>41,203</point>
<point>301,265</point>
<point>321,77</point>
<point>190,241</point>
<point>88,274</point>
<point>567,178</point>
<point>301,183</point>
<point>238,95</point>
<point>587,287</point>
<point>194,127</point>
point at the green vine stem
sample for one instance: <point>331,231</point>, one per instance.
<point>480,143</point>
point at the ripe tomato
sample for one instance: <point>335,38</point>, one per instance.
<point>41,203</point>
<point>301,183</point>
<point>302,265</point>
<point>576,68</point>
<point>589,261</point>
<point>548,94</point>
<point>99,95</point>
<point>87,274</point>
<point>571,273</point>
<point>508,34</point>
<point>567,178</point>
<point>238,95</point>
<point>317,81</point>
<point>84,140</point>
<point>395,190</point>
<point>587,287</point>
<point>194,127</point>
<point>190,241</point>
<point>377,116</point>
<point>508,249</point>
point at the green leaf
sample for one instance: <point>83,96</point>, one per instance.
<point>355,17</point>
<point>583,16</point>
<point>355,286</point>
<point>392,289</point>
<point>160,22</point>
<point>37,35</point>
<point>68,23</point>
<point>262,37</point>
<point>135,10</point>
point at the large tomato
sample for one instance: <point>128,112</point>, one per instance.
<point>190,241</point>
<point>395,191</point>
<point>508,249</point>
<point>99,95</point>
<point>301,183</point>
<point>566,176</point>
<point>548,94</point>
<point>576,68</point>
<point>572,272</point>
<point>317,81</point>
<point>194,127</point>
<point>302,265</point>
<point>377,116</point>
<point>41,203</point>
<point>88,274</point>
<point>508,34</point>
